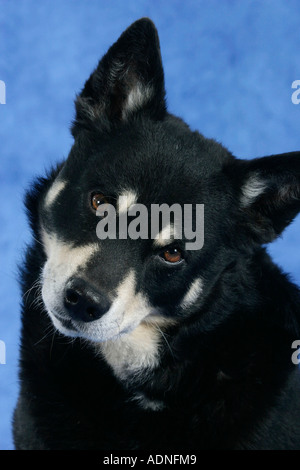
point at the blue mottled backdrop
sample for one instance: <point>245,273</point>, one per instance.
<point>229,67</point>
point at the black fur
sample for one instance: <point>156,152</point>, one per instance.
<point>225,374</point>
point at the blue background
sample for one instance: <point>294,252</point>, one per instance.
<point>229,66</point>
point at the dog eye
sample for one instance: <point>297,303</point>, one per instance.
<point>97,199</point>
<point>172,255</point>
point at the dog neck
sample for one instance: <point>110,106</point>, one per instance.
<point>135,354</point>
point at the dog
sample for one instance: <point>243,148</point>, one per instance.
<point>140,340</point>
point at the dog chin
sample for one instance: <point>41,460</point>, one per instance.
<point>92,331</point>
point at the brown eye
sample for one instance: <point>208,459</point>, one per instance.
<point>172,255</point>
<point>97,199</point>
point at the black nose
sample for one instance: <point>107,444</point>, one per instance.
<point>83,302</point>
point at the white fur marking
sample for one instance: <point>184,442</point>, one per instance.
<point>54,191</point>
<point>138,347</point>
<point>137,98</point>
<point>134,352</point>
<point>125,200</point>
<point>147,404</point>
<point>193,293</point>
<point>253,188</point>
<point>165,236</point>
<point>63,260</point>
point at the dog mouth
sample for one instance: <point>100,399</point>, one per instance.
<point>63,324</point>
<point>111,327</point>
<point>95,331</point>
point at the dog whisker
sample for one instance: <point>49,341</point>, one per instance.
<point>51,329</point>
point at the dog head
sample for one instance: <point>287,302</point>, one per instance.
<point>130,157</point>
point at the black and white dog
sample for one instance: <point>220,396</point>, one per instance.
<point>151,342</point>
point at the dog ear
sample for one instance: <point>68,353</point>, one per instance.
<point>269,194</point>
<point>128,79</point>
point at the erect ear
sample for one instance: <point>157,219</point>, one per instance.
<point>128,79</point>
<point>269,194</point>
